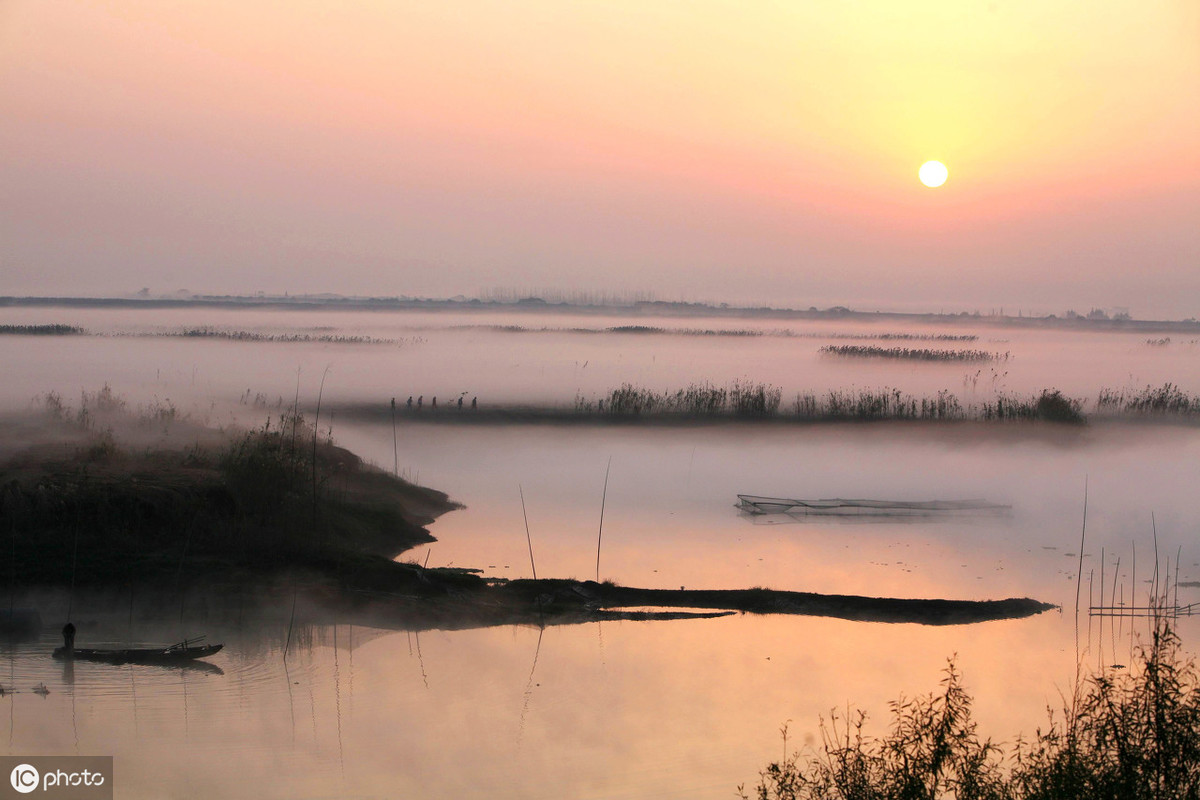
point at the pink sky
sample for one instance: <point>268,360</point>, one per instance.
<point>722,151</point>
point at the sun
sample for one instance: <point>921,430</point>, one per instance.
<point>933,174</point>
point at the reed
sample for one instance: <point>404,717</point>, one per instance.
<point>41,330</point>
<point>1051,406</point>
<point>1165,400</point>
<point>740,398</point>
<point>395,445</point>
<point>528,538</point>
<point>1122,735</point>
<point>910,354</point>
<point>316,420</point>
<point>255,336</point>
<point>600,533</point>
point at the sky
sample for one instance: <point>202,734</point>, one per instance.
<point>756,151</point>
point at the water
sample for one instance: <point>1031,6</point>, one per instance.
<point>617,709</point>
<point>446,354</point>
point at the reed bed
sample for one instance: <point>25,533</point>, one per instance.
<point>204,332</point>
<point>911,354</point>
<point>41,330</point>
<point>254,336</point>
<point>749,399</point>
<point>740,398</point>
<point>1051,405</point>
<point>877,404</point>
<point>689,331</point>
<point>1164,400</point>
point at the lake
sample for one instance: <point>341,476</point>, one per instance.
<point>684,708</point>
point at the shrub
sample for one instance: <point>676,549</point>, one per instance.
<point>1053,406</point>
<point>1132,735</point>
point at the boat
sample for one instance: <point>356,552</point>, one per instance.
<point>180,653</point>
<point>756,505</point>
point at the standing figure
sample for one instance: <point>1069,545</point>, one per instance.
<point>410,401</point>
<point>473,403</point>
<point>420,400</point>
<point>68,633</point>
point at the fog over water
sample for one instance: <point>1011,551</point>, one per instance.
<point>686,708</point>
<point>548,360</point>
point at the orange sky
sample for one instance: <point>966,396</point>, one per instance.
<point>762,152</point>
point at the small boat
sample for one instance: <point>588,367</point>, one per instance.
<point>756,505</point>
<point>182,652</point>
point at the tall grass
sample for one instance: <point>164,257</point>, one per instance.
<point>910,354</point>
<point>1051,405</point>
<point>41,330</point>
<point>254,336</point>
<point>1131,735</point>
<point>1162,400</point>
<point>876,404</point>
<point>740,398</point>
<point>749,399</point>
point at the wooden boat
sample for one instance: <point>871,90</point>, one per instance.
<point>175,654</point>
<point>757,505</point>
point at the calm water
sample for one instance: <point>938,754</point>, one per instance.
<point>632,709</point>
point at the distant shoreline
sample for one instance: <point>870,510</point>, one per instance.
<point>535,305</point>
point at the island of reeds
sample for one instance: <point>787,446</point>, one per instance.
<point>910,353</point>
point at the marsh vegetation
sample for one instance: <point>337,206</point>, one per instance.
<point>108,493</point>
<point>41,330</point>
<point>750,400</point>
<point>1123,734</point>
<point>911,354</point>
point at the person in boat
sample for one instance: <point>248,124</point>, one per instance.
<point>68,633</point>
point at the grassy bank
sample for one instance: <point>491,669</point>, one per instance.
<point>104,493</point>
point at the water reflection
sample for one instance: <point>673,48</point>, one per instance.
<point>526,711</point>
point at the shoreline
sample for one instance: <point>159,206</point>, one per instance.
<point>187,511</point>
<point>646,308</point>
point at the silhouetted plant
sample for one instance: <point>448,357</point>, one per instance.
<point>1054,406</point>
<point>41,330</point>
<point>1154,400</point>
<point>1126,736</point>
<point>912,354</point>
<point>1132,735</point>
